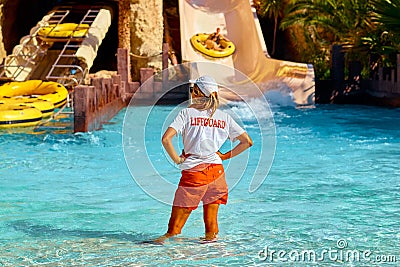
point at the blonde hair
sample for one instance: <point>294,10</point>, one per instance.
<point>202,102</point>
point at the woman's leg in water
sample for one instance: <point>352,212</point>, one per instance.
<point>210,216</point>
<point>179,216</point>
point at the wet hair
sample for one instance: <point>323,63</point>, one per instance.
<point>202,102</point>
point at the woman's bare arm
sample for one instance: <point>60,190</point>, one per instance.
<point>167,143</point>
<point>244,143</point>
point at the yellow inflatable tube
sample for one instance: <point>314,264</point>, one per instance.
<point>19,116</point>
<point>36,89</point>
<point>198,43</point>
<point>46,107</point>
<point>62,32</point>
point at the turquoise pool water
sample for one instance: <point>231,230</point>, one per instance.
<point>333,190</point>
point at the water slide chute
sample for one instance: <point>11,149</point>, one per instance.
<point>238,21</point>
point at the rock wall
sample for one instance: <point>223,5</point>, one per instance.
<point>3,52</point>
<point>146,34</point>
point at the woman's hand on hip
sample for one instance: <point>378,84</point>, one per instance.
<point>222,156</point>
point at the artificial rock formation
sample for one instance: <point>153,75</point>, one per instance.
<point>146,35</point>
<point>145,23</point>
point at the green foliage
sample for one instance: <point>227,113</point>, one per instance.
<point>273,9</point>
<point>328,22</point>
<point>381,44</point>
<point>387,14</point>
<point>385,41</point>
<point>367,29</point>
<point>313,53</point>
<point>340,21</point>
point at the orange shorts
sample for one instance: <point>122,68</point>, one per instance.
<point>205,182</point>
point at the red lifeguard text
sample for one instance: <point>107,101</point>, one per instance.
<point>210,122</point>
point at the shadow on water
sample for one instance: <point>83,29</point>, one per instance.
<point>47,231</point>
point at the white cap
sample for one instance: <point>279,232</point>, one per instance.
<point>207,84</point>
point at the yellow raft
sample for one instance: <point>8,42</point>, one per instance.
<point>35,89</point>
<point>19,116</point>
<point>46,107</point>
<point>63,32</point>
<point>198,42</point>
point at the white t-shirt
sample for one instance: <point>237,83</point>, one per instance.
<point>203,136</point>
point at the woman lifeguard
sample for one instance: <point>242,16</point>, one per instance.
<point>204,129</point>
